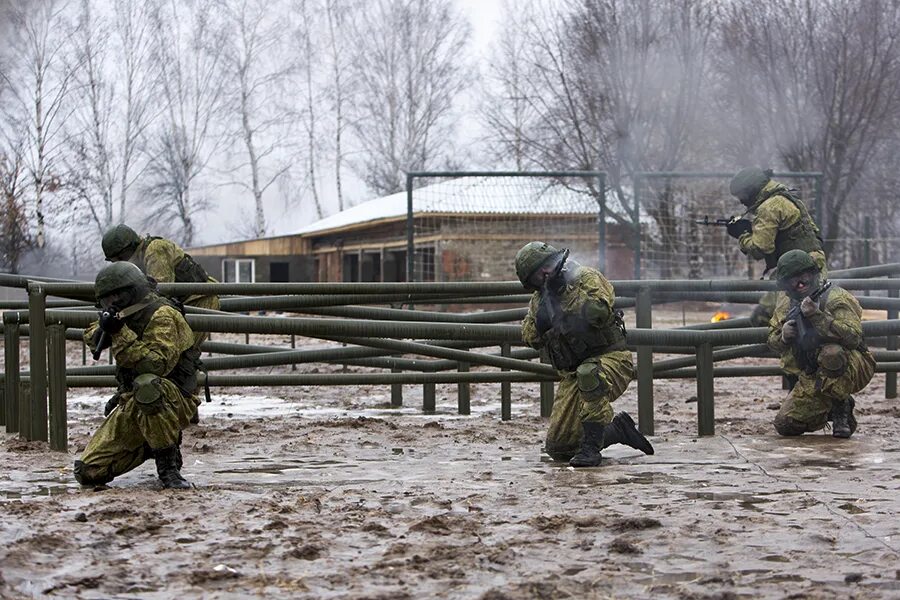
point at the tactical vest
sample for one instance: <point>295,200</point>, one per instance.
<point>572,339</point>
<point>802,235</point>
<point>183,374</point>
<point>186,271</point>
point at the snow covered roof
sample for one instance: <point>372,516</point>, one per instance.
<point>473,195</point>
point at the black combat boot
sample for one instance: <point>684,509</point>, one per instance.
<point>179,461</point>
<point>591,444</point>
<point>167,469</point>
<point>622,430</point>
<point>844,422</point>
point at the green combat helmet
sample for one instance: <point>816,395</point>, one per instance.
<point>118,240</point>
<point>794,262</point>
<point>530,258</point>
<point>748,183</point>
<point>117,276</point>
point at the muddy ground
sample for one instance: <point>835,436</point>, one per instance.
<point>329,493</point>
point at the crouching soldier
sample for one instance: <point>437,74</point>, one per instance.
<point>817,330</point>
<point>156,369</point>
<point>162,260</point>
<point>571,315</point>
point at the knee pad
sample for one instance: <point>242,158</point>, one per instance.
<point>832,360</point>
<point>148,394</point>
<point>591,382</point>
<point>789,426</point>
<point>88,475</point>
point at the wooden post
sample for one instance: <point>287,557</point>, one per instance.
<point>37,346</point>
<point>890,379</point>
<point>56,371</point>
<point>464,393</point>
<point>396,391</point>
<point>644,320</point>
<point>705,402</point>
<point>505,388</point>
<point>429,392</point>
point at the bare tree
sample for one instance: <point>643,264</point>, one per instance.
<point>257,76</point>
<point>191,79</point>
<point>339,15</point>
<point>15,237</point>
<point>610,85</point>
<point>410,68</point>
<point>822,81</point>
<point>39,81</point>
<point>307,114</point>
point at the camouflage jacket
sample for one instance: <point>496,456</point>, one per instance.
<point>157,350</point>
<point>585,319</point>
<point>839,321</point>
<point>776,217</point>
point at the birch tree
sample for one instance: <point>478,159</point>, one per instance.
<point>188,54</point>
<point>410,69</point>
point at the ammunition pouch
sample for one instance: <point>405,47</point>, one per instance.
<point>184,374</point>
<point>188,271</point>
<point>573,340</point>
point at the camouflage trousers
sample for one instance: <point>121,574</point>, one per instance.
<point>129,435</point>
<point>808,404</point>
<point>763,311</point>
<point>572,405</point>
<point>209,302</point>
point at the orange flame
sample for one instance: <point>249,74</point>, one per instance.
<point>720,316</point>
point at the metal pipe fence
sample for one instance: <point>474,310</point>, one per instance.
<point>343,313</point>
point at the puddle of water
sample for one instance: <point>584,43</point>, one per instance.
<point>36,492</point>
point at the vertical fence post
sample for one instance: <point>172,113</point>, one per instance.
<point>546,390</point>
<point>396,391</point>
<point>56,371</point>
<point>410,231</point>
<point>705,403</point>
<point>464,393</point>
<point>890,379</point>
<point>11,369</point>
<point>867,244</point>
<point>37,347</point>
<point>644,320</point>
<point>429,391</point>
<point>293,347</point>
<point>505,388</point>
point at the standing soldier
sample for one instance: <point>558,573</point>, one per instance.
<point>817,330</point>
<point>780,222</point>
<point>571,315</point>
<point>162,260</point>
<point>150,341</point>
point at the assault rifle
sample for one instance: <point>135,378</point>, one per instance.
<point>808,340</point>
<point>102,339</point>
<point>713,222</point>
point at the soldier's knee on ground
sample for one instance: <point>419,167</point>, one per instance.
<point>832,360</point>
<point>785,425</point>
<point>91,475</point>
<point>591,382</point>
<point>148,394</point>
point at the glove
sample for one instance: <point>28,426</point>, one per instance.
<point>110,321</point>
<point>737,227</point>
<point>110,405</point>
<point>789,331</point>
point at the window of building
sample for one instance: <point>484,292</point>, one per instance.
<point>238,270</point>
<point>350,267</point>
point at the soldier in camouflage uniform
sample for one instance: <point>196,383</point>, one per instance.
<point>162,260</point>
<point>780,222</point>
<point>156,370</point>
<point>571,315</point>
<point>821,343</point>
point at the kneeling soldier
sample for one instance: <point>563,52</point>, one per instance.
<point>156,370</point>
<point>571,315</point>
<point>817,330</point>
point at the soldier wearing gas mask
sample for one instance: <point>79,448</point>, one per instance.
<point>817,330</point>
<point>153,347</point>
<point>571,315</point>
